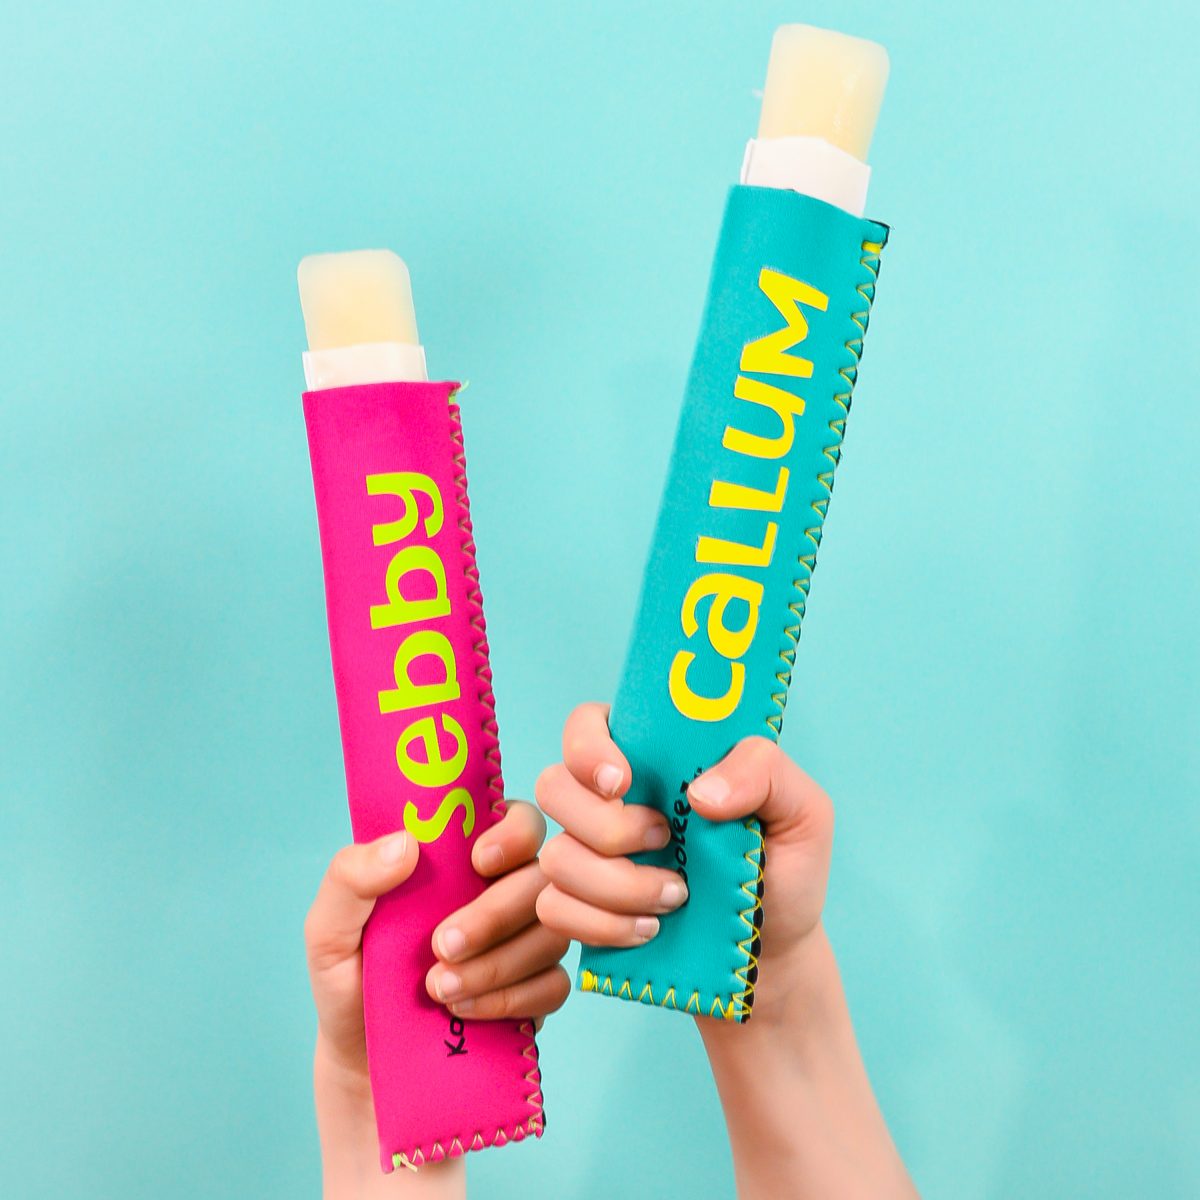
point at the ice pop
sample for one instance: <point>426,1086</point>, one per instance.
<point>714,640</point>
<point>414,696</point>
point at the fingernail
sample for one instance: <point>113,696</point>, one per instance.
<point>608,778</point>
<point>452,942</point>
<point>711,789</point>
<point>491,859</point>
<point>645,928</point>
<point>448,985</point>
<point>462,1006</point>
<point>657,837</point>
<point>391,849</point>
<point>674,893</point>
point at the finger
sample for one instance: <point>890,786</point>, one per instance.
<point>512,842</point>
<point>607,826</point>
<point>590,753</point>
<point>575,918</point>
<point>357,876</point>
<point>536,997</point>
<point>757,777</point>
<point>504,909</point>
<point>534,950</point>
<point>615,884</point>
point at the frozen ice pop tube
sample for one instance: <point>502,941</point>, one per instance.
<point>414,697</point>
<point>714,640</point>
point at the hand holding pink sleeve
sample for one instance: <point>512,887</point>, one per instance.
<point>504,964</point>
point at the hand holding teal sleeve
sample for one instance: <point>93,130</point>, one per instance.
<point>731,562</point>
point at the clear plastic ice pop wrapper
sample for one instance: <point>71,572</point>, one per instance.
<point>414,697</point>
<point>714,641</point>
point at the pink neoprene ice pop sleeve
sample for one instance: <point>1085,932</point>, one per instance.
<point>419,738</point>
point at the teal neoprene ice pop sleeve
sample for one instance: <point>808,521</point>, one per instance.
<point>714,640</point>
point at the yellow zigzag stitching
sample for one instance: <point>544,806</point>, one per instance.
<point>869,260</point>
<point>534,1124</point>
<point>455,1149</point>
<point>483,670</point>
<point>744,1000</point>
<point>833,454</point>
<point>533,1077</point>
<point>603,985</point>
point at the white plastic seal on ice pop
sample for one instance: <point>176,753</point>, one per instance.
<point>820,104</point>
<point>809,165</point>
<point>374,362</point>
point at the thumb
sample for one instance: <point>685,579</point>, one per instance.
<point>757,778</point>
<point>358,875</point>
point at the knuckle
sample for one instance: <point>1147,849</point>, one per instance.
<point>312,928</point>
<point>320,950</point>
<point>537,826</point>
<point>552,855</point>
<point>550,911</point>
<point>343,869</point>
<point>612,837</point>
<point>502,1002</point>
<point>821,805</point>
<point>486,975</point>
<point>547,950</point>
<point>593,714</point>
<point>547,784</point>
<point>339,865</point>
<point>560,990</point>
<point>575,748</point>
<point>536,874</point>
<point>529,827</point>
<point>760,751</point>
<point>484,930</point>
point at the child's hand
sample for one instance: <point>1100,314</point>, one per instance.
<point>801,1115</point>
<point>504,963</point>
<point>598,896</point>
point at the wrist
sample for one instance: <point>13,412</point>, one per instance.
<point>802,1118</point>
<point>350,1167</point>
<point>345,1124</point>
<point>338,1079</point>
<point>798,1020</point>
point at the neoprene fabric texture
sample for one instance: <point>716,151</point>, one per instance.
<point>419,738</point>
<point>713,645</point>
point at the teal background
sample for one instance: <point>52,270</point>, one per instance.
<point>997,679</point>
